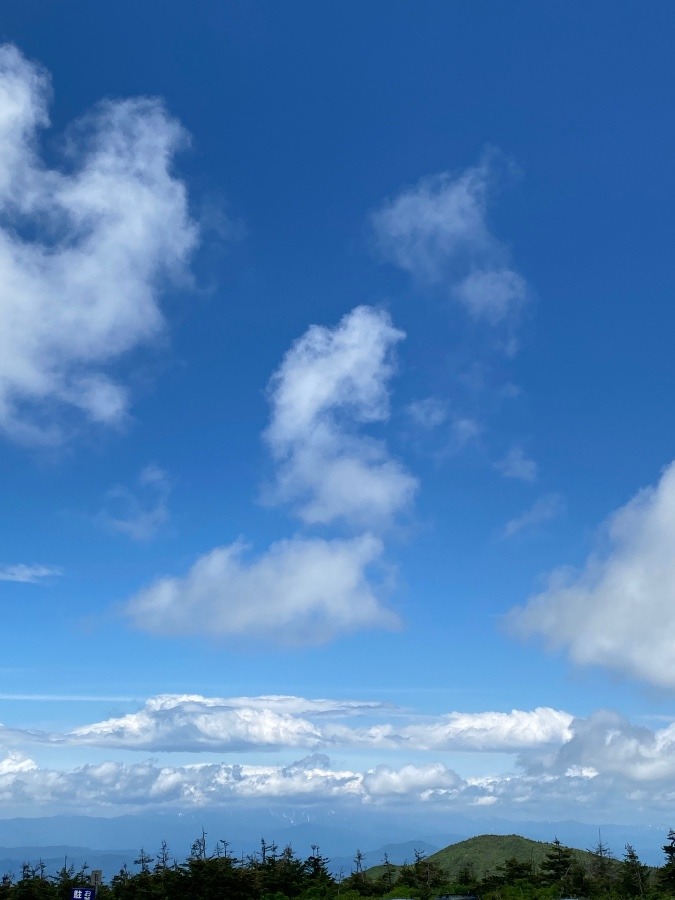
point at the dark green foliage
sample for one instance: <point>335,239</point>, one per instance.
<point>633,879</point>
<point>667,872</point>
<point>424,877</point>
<point>364,884</point>
<point>526,870</point>
<point>556,864</point>
<point>601,870</point>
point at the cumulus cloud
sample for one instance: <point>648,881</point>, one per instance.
<point>331,382</point>
<point>84,251</point>
<point>148,784</point>
<point>496,731</point>
<point>14,764</point>
<point>607,743</point>
<point>28,574</point>
<point>437,231</point>
<point>619,610</point>
<point>140,513</point>
<point>130,787</point>
<point>183,722</point>
<point>544,509</point>
<point>385,781</point>
<point>302,590</point>
<point>306,590</point>
<point>563,763</point>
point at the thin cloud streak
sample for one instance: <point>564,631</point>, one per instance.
<point>69,698</point>
<point>544,509</point>
<point>25,574</point>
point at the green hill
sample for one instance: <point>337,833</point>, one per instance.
<point>483,855</point>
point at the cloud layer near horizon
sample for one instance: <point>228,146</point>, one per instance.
<point>84,251</point>
<point>570,766</point>
<point>196,723</point>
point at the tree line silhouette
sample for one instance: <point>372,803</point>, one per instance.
<point>273,874</point>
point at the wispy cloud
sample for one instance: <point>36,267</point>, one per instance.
<point>544,509</point>
<point>84,252</point>
<point>618,611</point>
<point>437,231</point>
<point>28,574</point>
<point>332,383</point>
<point>140,514</point>
<point>428,413</point>
<point>67,698</point>
<point>517,465</point>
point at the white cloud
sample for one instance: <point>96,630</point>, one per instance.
<point>306,590</point>
<point>409,781</point>
<point>495,731</point>
<point>28,574</point>
<point>607,743</point>
<point>191,722</point>
<point>84,251</point>
<point>26,787</point>
<point>14,763</point>
<point>330,382</point>
<point>127,787</point>
<point>437,231</point>
<point>516,465</point>
<point>544,509</point>
<point>300,591</point>
<point>142,513</point>
<point>619,611</point>
<point>565,765</point>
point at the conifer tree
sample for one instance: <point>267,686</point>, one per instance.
<point>633,878</point>
<point>667,871</point>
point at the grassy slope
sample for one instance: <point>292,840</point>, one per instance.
<point>484,854</point>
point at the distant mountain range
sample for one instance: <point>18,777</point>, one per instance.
<point>54,858</point>
<point>108,843</point>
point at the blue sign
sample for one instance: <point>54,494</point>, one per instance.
<point>83,893</point>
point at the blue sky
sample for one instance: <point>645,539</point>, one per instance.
<point>335,349</point>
